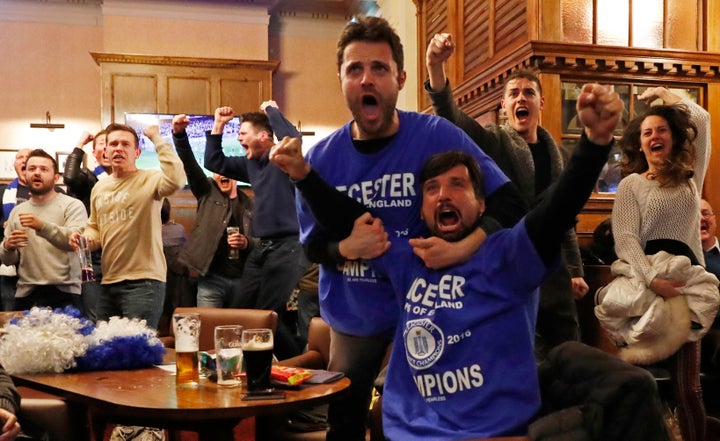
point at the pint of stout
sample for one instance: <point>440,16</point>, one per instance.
<point>186,327</point>
<point>257,352</point>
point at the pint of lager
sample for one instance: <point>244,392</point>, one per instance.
<point>186,327</point>
<point>257,351</point>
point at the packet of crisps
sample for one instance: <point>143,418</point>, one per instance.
<point>289,375</point>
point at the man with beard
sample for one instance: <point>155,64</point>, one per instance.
<point>276,262</point>
<point>37,236</point>
<point>374,159</point>
<point>462,365</point>
<point>220,205</point>
<point>528,155</point>
<point>125,222</point>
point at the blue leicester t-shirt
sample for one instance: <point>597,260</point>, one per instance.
<point>353,299</point>
<point>462,365</point>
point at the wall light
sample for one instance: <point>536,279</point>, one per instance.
<point>48,124</point>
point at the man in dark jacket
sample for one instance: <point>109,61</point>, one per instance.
<point>220,205</point>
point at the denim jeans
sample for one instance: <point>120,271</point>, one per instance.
<point>216,291</point>
<point>142,299</point>
<point>91,292</point>
<point>48,296</point>
<point>7,288</point>
<point>271,273</point>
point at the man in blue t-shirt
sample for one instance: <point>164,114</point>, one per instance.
<point>462,364</point>
<point>374,158</point>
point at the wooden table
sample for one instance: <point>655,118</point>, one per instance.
<point>149,397</point>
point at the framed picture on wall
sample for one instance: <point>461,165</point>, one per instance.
<point>7,164</point>
<point>61,158</point>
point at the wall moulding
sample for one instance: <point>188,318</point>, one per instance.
<point>157,60</point>
<point>482,90</point>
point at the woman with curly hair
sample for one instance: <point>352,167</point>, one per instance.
<point>666,153</point>
<point>657,208</point>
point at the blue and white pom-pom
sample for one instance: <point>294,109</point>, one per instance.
<point>55,341</point>
<point>121,343</point>
<point>44,341</point>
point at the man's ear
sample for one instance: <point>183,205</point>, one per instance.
<point>481,206</point>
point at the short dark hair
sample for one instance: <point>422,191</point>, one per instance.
<point>116,127</point>
<point>371,29</point>
<point>40,153</point>
<point>258,120</point>
<point>441,162</point>
<point>526,74</point>
<point>678,167</point>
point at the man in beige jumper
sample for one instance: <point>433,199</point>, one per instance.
<point>125,222</point>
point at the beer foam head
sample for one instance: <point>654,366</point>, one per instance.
<point>186,343</point>
<point>254,345</point>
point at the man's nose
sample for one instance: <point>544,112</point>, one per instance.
<point>367,77</point>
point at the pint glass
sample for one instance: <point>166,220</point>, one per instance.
<point>257,346</point>
<point>186,327</point>
<point>228,354</point>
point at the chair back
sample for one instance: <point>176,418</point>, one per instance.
<point>211,317</point>
<point>319,338</point>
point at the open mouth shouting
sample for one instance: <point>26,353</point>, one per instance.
<point>448,221</point>
<point>370,107</point>
<point>658,147</point>
<point>522,112</point>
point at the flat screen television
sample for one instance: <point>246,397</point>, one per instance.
<point>199,124</point>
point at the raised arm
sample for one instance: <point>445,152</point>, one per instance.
<point>215,160</point>
<point>280,125</point>
<point>599,109</point>
<point>199,185</point>
<point>439,50</point>
<point>79,179</point>
<point>699,116</point>
<point>173,176</point>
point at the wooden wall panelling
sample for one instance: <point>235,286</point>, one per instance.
<point>432,18</point>
<point>681,17</point>
<point>712,17</point>
<point>242,95</point>
<point>132,94</point>
<point>545,20</point>
<point>510,24</point>
<point>477,28</point>
<point>181,84</point>
<point>188,95</point>
<point>551,118</point>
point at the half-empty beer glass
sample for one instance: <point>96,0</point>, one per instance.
<point>186,327</point>
<point>228,354</point>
